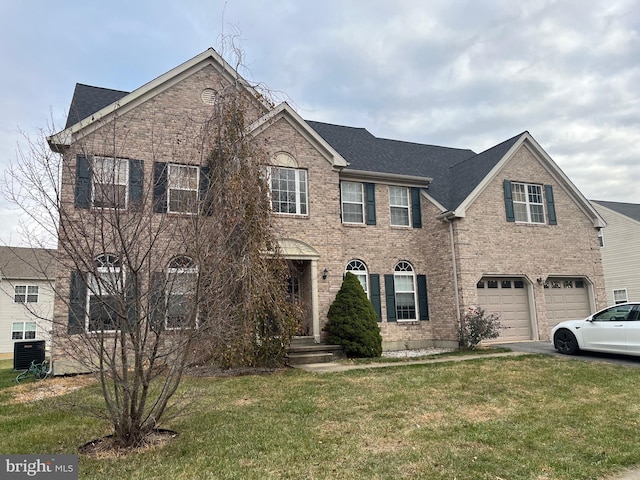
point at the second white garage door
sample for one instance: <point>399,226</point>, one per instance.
<point>508,298</point>
<point>566,299</point>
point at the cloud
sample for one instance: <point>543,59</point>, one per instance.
<point>466,74</point>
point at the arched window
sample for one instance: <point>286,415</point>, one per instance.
<point>104,292</point>
<point>359,269</point>
<point>182,275</point>
<point>405,291</point>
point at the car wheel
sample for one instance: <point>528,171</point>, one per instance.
<point>565,342</point>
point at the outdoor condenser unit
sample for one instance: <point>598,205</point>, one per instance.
<point>26,352</point>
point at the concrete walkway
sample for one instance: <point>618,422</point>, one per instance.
<point>335,367</point>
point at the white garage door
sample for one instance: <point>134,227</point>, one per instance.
<point>566,299</point>
<point>508,298</point>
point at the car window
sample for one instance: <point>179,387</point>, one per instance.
<point>615,314</point>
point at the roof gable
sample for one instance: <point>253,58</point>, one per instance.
<point>128,101</point>
<point>284,111</point>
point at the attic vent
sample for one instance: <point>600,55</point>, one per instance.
<point>208,96</point>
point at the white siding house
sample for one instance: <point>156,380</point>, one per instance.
<point>26,296</point>
<point>620,249</point>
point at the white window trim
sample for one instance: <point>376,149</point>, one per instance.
<point>361,272</point>
<point>299,202</point>
<point>26,293</point>
<point>528,204</point>
<point>626,295</point>
<point>125,183</point>
<point>400,270</point>
<point>170,188</point>
<point>350,202</point>
<point>24,330</point>
<point>407,207</point>
<point>601,237</point>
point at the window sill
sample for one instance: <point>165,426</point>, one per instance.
<point>289,215</point>
<point>355,225</point>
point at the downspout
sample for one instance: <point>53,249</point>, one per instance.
<point>447,218</point>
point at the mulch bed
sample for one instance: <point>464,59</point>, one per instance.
<point>105,447</point>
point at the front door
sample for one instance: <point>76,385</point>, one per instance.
<point>299,293</point>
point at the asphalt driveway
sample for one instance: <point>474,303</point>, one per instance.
<point>547,349</point>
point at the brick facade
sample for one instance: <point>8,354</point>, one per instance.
<point>452,254</point>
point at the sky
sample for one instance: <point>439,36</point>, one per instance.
<point>464,74</point>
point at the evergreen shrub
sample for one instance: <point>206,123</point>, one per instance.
<point>353,322</point>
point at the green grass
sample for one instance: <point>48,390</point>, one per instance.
<point>530,417</point>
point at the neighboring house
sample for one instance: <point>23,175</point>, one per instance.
<point>620,249</point>
<point>428,230</point>
<point>26,296</point>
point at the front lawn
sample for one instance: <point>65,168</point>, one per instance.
<point>530,417</point>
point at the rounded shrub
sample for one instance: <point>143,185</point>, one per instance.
<point>353,322</point>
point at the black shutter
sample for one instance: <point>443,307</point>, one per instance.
<point>136,185</point>
<point>157,307</point>
<point>508,202</point>
<point>390,295</point>
<point>551,205</point>
<point>82,194</point>
<point>416,214</point>
<point>374,294</point>
<point>77,303</point>
<point>370,198</point>
<point>160,187</point>
<point>205,201</point>
<point>423,301</point>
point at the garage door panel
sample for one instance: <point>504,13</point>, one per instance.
<point>510,303</point>
<point>566,299</point>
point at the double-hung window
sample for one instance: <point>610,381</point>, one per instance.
<point>288,190</point>
<point>182,182</point>
<point>620,296</point>
<point>104,292</point>
<point>110,182</point>
<point>23,331</point>
<point>399,206</point>
<point>528,203</point>
<point>25,294</point>
<point>352,202</point>
<point>405,291</point>
<point>182,276</point>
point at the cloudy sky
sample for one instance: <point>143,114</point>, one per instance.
<point>466,74</point>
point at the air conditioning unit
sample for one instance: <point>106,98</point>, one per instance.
<point>26,352</point>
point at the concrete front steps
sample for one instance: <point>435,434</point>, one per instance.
<point>305,351</point>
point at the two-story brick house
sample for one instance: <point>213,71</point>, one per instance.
<point>428,230</point>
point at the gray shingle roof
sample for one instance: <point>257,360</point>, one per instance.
<point>631,210</point>
<point>87,100</point>
<point>27,263</point>
<point>455,172</point>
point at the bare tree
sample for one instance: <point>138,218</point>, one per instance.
<point>166,253</point>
